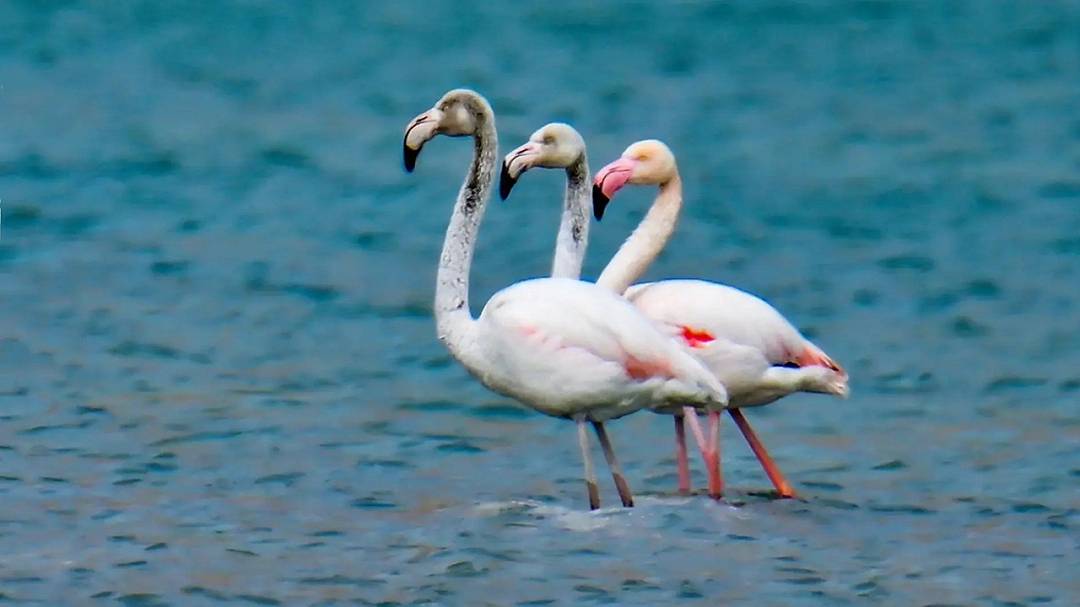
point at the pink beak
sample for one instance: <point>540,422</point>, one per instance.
<point>614,176</point>
<point>608,181</point>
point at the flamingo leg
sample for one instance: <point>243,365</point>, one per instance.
<point>690,415</point>
<point>590,474</point>
<point>714,430</point>
<point>778,480</point>
<point>714,451</point>
<point>708,455</point>
<point>680,455</point>
<point>613,463</point>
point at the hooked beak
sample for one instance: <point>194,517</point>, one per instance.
<point>608,181</point>
<point>420,131</point>
<point>516,163</point>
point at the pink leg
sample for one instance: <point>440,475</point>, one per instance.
<point>680,455</point>
<point>709,456</point>
<point>616,470</point>
<point>714,451</point>
<point>778,480</point>
<point>590,476</point>
<point>714,430</point>
<point>690,416</point>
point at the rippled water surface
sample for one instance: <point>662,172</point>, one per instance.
<point>219,381</point>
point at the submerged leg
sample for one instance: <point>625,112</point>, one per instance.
<point>716,485</point>
<point>590,475</point>
<point>778,480</point>
<point>613,463</point>
<point>680,455</point>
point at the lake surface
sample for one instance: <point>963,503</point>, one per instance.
<point>219,380</point>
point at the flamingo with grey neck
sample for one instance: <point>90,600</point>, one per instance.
<point>753,350</point>
<point>563,347</point>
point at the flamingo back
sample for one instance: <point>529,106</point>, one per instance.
<point>709,310</point>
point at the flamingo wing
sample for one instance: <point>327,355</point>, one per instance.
<point>580,338</point>
<point>706,311</point>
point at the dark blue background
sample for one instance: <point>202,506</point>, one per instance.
<point>219,379</point>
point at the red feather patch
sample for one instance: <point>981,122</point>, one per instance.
<point>695,338</point>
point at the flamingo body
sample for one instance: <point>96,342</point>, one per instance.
<point>604,360</point>
<point>749,346</point>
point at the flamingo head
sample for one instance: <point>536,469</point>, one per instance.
<point>457,114</point>
<point>824,380</point>
<point>553,146</point>
<point>647,162</point>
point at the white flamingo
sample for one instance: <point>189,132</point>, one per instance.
<point>757,354</point>
<point>563,347</point>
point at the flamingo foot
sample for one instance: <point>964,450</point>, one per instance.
<point>783,488</point>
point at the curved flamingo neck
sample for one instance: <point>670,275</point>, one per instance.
<point>574,226</point>
<point>453,319</point>
<point>649,238</point>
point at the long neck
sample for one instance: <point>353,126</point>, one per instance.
<point>648,239</point>
<point>574,226</point>
<point>453,319</point>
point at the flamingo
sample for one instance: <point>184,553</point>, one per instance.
<point>754,351</point>
<point>563,347</point>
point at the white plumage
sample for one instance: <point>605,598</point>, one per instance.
<point>745,342</point>
<point>564,347</point>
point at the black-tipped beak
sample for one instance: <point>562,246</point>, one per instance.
<point>599,202</point>
<point>410,156</point>
<point>506,182</point>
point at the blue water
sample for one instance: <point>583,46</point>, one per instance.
<point>219,381</point>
